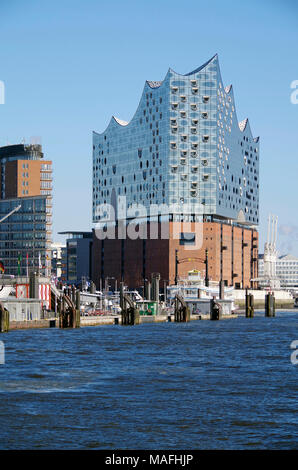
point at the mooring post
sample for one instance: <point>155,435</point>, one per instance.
<point>181,312</point>
<point>33,286</point>
<point>73,294</point>
<point>206,269</point>
<point>155,290</point>
<point>249,305</point>
<point>92,288</point>
<point>221,290</point>
<point>147,290</point>
<point>215,308</point>
<point>121,295</point>
<point>4,319</point>
<point>252,305</point>
<point>78,308</point>
<point>176,267</point>
<point>269,305</point>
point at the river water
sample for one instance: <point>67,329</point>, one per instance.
<point>201,385</point>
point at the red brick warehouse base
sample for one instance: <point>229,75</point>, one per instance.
<point>232,254</point>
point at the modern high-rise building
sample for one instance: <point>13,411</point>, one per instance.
<point>26,235</point>
<point>186,152</point>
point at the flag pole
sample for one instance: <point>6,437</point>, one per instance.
<point>27,267</point>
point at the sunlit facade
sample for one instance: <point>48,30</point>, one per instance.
<point>184,146</point>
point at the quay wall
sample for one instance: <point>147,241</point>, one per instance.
<point>283,299</point>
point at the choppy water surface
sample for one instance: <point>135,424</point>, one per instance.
<point>201,385</point>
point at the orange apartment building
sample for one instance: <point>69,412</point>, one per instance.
<point>25,236</point>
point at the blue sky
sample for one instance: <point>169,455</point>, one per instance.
<point>69,65</point>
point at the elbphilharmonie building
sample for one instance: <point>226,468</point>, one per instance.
<point>183,146</point>
<point>185,152</point>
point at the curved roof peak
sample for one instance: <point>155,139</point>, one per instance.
<point>242,124</point>
<point>120,121</point>
<point>153,84</point>
<point>202,66</point>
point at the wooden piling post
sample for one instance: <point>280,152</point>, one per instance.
<point>130,315</point>
<point>215,310</point>
<point>33,286</point>
<point>252,305</point>
<point>269,305</point>
<point>147,287</point>
<point>181,312</point>
<point>155,290</point>
<point>4,319</point>
<point>77,295</point>
<point>249,305</point>
<point>121,295</point>
<point>221,289</point>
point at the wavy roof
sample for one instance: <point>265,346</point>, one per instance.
<point>120,121</point>
<point>243,125</point>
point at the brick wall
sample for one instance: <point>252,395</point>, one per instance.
<point>230,255</point>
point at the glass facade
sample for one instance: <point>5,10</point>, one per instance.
<point>25,236</point>
<point>183,146</point>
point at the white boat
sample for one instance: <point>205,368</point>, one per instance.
<point>193,288</point>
